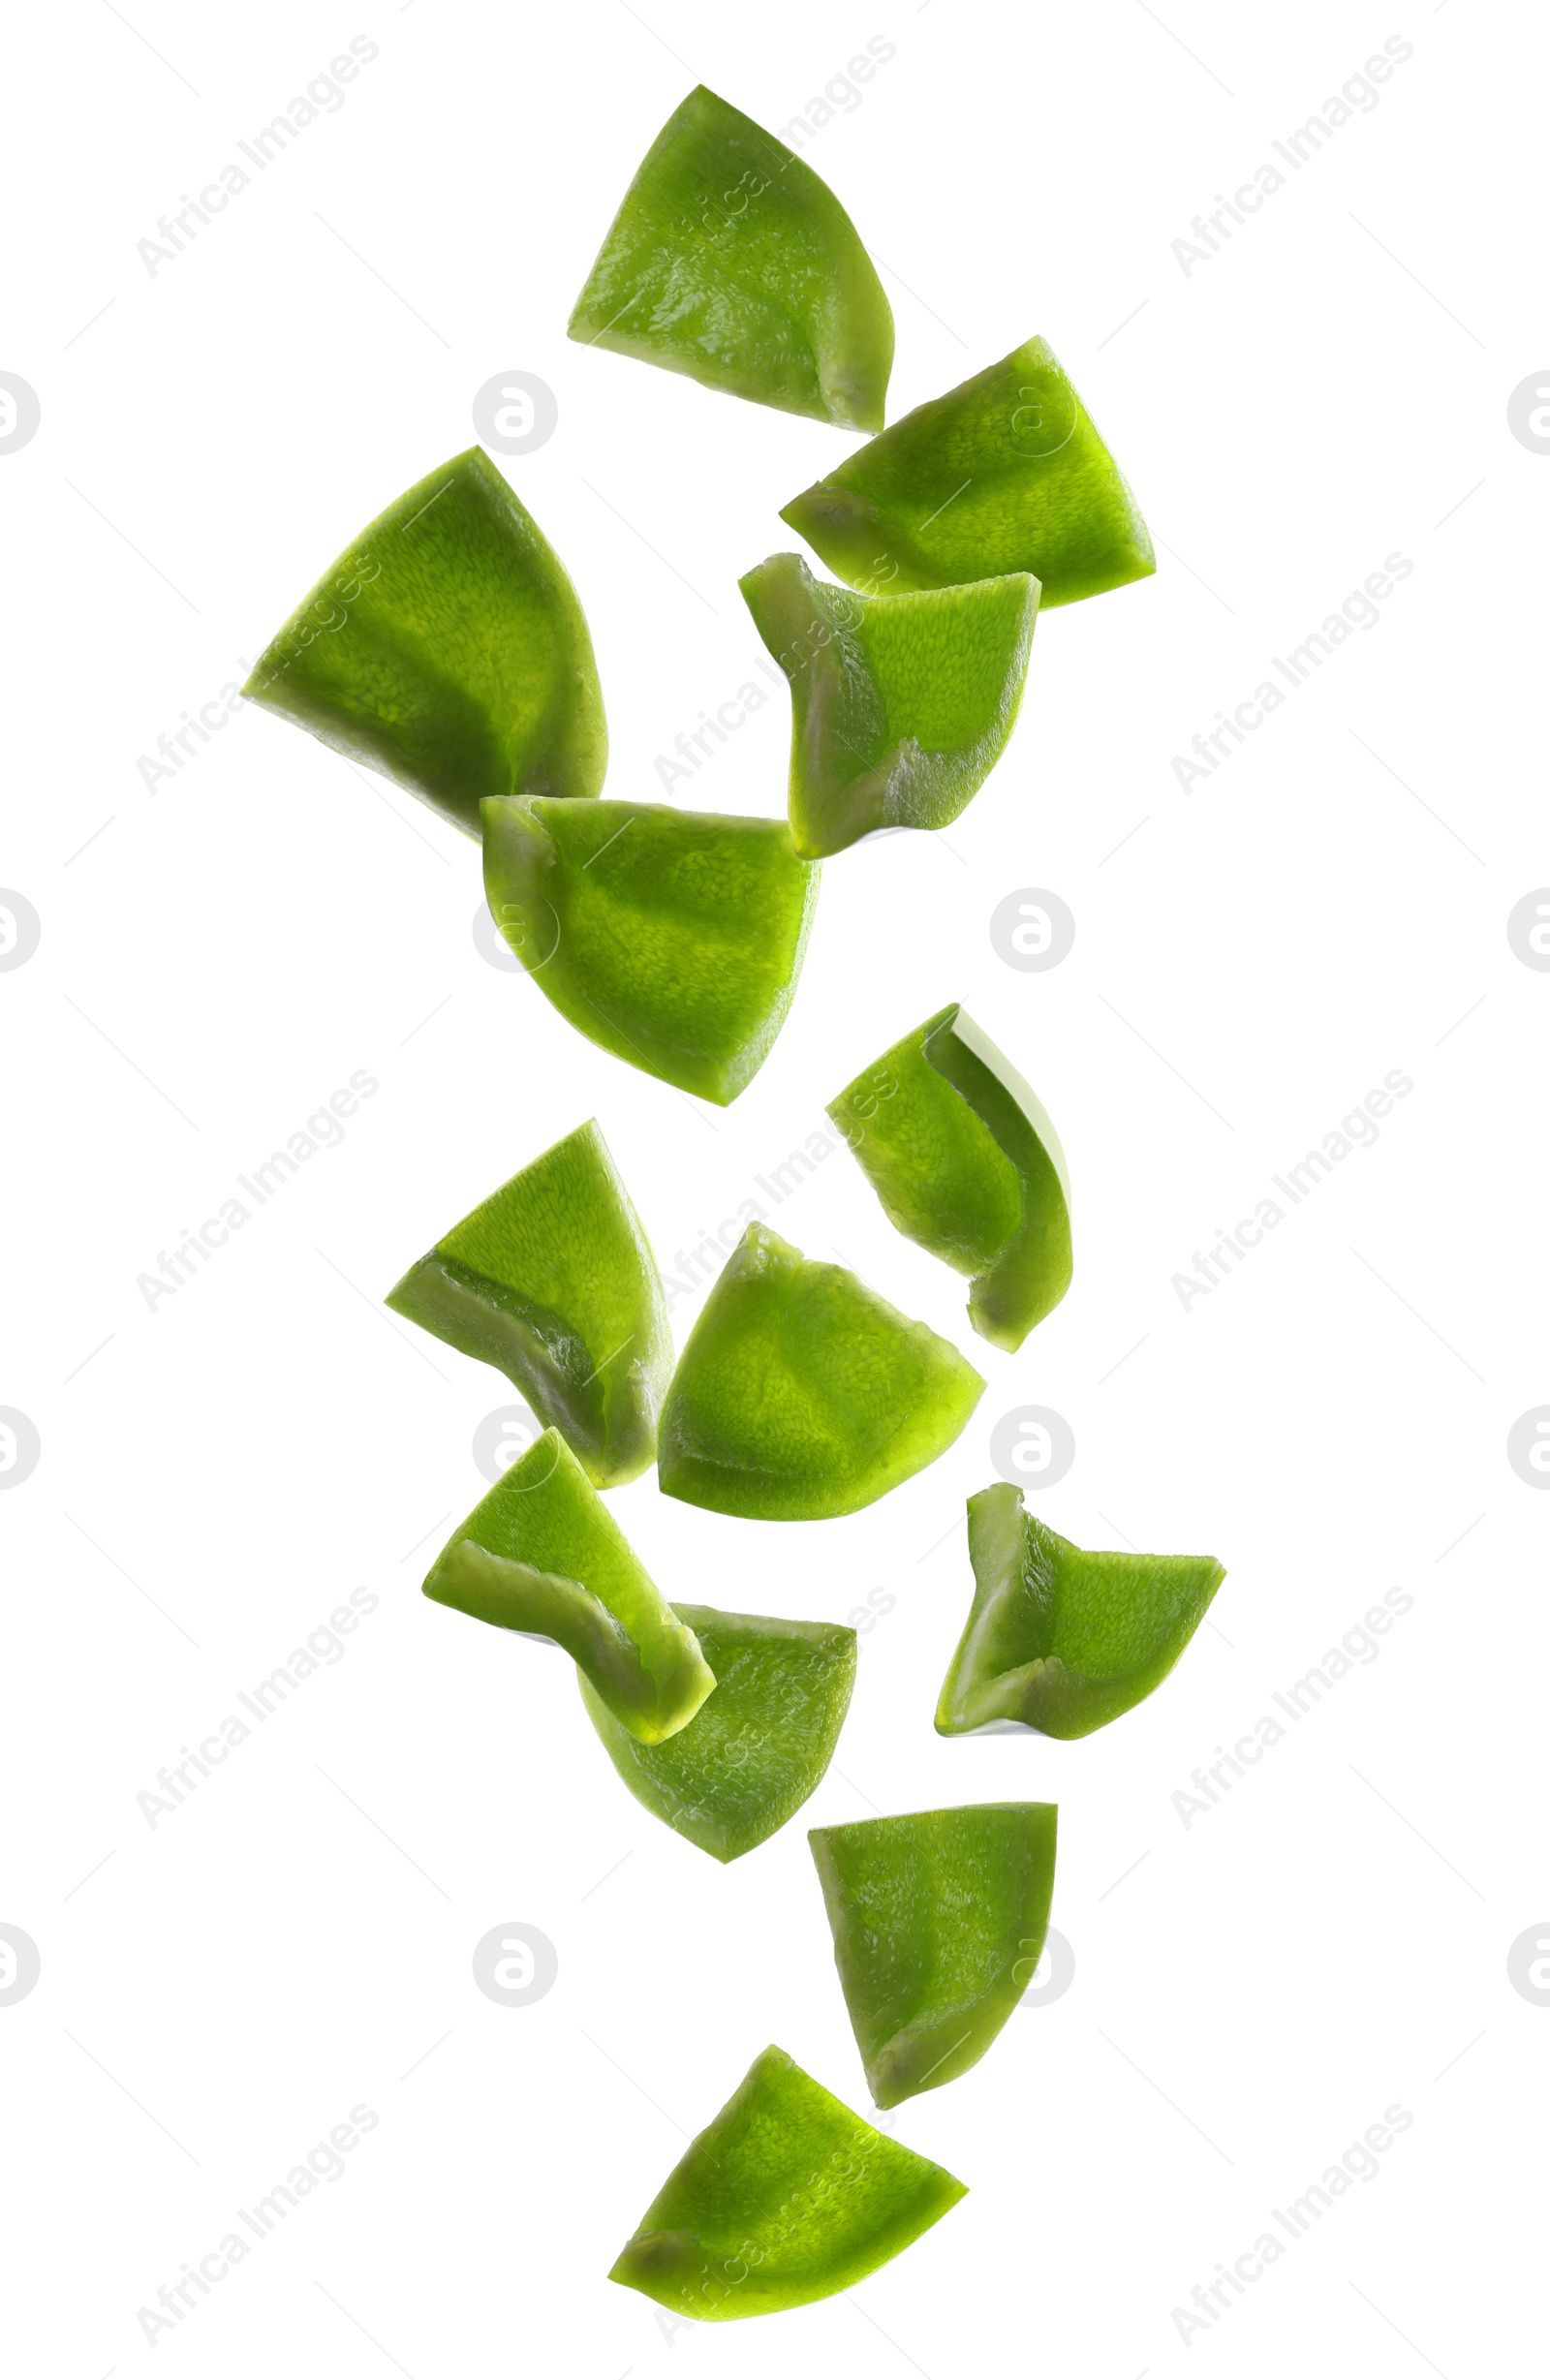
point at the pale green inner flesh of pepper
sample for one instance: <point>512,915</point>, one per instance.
<point>671,938</point>
<point>543,1554</point>
<point>802,1394</point>
<point>1060,1640</point>
<point>756,1751</point>
<point>901,704</point>
<point>1005,472</point>
<point>785,2196</point>
<point>446,649</point>
<point>968,1165</point>
<point>939,1921</point>
<point>732,261</point>
<point>552,1280</point>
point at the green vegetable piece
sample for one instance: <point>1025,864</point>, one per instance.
<point>1060,1640</point>
<point>671,938</point>
<point>543,1554</point>
<point>552,1281</point>
<point>752,1756</point>
<point>966,1162</point>
<point>1006,473</point>
<point>785,2196</point>
<point>901,704</point>
<point>729,261</point>
<point>938,1922</point>
<point>446,649</point>
<point>801,1394</point>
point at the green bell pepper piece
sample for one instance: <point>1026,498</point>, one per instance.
<point>967,1164</point>
<point>671,938</point>
<point>446,649</point>
<point>901,704</point>
<point>552,1280</point>
<point>1060,1640</point>
<point>543,1554</point>
<point>729,261</point>
<point>785,2196</point>
<point>1006,473</point>
<point>752,1756</point>
<point>801,1394</point>
<point>938,1922</point>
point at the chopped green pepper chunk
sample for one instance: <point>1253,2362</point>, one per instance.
<point>543,1554</point>
<point>730,260</point>
<point>752,1756</point>
<point>1060,1640</point>
<point>938,1922</point>
<point>446,649</point>
<point>671,938</point>
<point>901,704</point>
<point>966,1162</point>
<point>801,1394</point>
<point>1005,472</point>
<point>785,2196</point>
<point>552,1280</point>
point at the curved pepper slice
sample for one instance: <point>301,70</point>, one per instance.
<point>671,938</point>
<point>1005,472</point>
<point>728,260</point>
<point>938,1922</point>
<point>446,649</point>
<point>751,1757</point>
<point>901,704</point>
<point>552,1280</point>
<point>785,2196</point>
<point>543,1554</point>
<point>966,1162</point>
<point>801,1394</point>
<point>1060,1640</point>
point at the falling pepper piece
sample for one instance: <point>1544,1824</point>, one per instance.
<point>968,1165</point>
<point>543,1554</point>
<point>785,2196</point>
<point>1060,1640</point>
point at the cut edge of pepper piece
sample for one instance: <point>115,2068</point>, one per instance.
<point>1027,1589</point>
<point>647,1666</point>
<point>779,2138</point>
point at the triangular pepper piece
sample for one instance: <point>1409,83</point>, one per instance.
<point>448,649</point>
<point>785,2196</point>
<point>939,1921</point>
<point>552,1280</point>
<point>967,1164</point>
<point>543,1554</point>
<point>1058,1640</point>
<point>1005,472</point>
<point>901,704</point>
<point>729,261</point>
<point>671,938</point>
<point>750,1758</point>
<point>801,1394</point>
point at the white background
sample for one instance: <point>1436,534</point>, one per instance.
<point>1252,1990</point>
